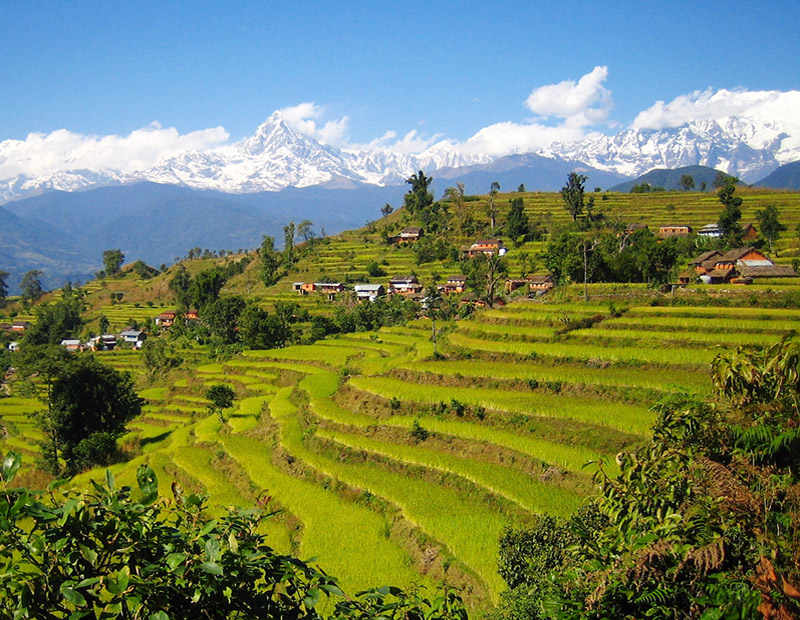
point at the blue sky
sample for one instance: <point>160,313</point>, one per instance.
<point>444,69</point>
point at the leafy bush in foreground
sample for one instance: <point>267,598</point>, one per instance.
<point>702,522</point>
<point>108,554</point>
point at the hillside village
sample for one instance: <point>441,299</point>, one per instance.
<point>438,380</point>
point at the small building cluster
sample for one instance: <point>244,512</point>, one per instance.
<point>537,284</point>
<point>737,266</point>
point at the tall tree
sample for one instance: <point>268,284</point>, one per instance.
<point>222,317</point>
<point>572,194</point>
<point>418,198</point>
<point>3,285</point>
<point>112,261</point>
<point>386,209</point>
<point>305,229</point>
<point>180,285</point>
<point>57,320</point>
<point>31,285</point>
<point>517,225</point>
<point>206,286</point>
<point>491,208</point>
<point>270,261</point>
<point>88,405</point>
<point>731,214</point>
<point>769,225</point>
<point>220,397</point>
<point>686,182</point>
<point>288,244</point>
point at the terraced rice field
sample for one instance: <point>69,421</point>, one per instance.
<point>391,465</point>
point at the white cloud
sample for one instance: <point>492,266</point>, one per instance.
<point>706,105</point>
<point>581,103</point>
<point>411,143</point>
<point>506,138</point>
<point>303,118</point>
<point>42,154</point>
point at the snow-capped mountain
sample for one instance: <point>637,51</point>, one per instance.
<point>277,156</point>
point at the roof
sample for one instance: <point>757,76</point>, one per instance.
<point>368,287</point>
<point>720,273</point>
<point>704,257</point>
<point>766,271</point>
<point>457,279</point>
<point>71,343</point>
<point>487,242</point>
<point>130,332</point>
<point>539,278</point>
<point>735,254</point>
<point>404,279</point>
<point>411,230</point>
<point>321,284</point>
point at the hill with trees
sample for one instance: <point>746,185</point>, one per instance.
<point>442,433</point>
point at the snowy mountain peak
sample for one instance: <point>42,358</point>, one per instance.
<point>277,156</point>
<point>272,135</point>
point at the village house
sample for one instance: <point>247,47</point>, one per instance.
<point>710,231</point>
<point>749,233</point>
<point>409,234</point>
<point>20,326</point>
<point>370,292</point>
<point>455,284</point>
<point>738,266</point>
<point>165,319</point>
<point>539,284</point>
<point>192,315</point>
<point>485,247</point>
<point>404,285</point>
<point>512,284</point>
<point>136,337</point>
<point>331,289</point>
<point>71,345</point>
<point>674,230</point>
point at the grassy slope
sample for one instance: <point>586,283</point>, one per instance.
<point>341,460</point>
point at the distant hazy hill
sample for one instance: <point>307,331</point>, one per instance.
<point>785,177</point>
<point>64,233</point>
<point>670,178</point>
<point>537,173</point>
<point>26,245</point>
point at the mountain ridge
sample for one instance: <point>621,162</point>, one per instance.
<point>277,156</point>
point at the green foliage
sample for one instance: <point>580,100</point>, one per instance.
<point>112,261</point>
<point>157,358</point>
<point>3,284</point>
<point>572,194</point>
<point>143,270</point>
<point>31,285</point>
<point>222,317</point>
<point>180,285</point>
<point>769,224</point>
<point>517,225</point>
<point>220,397</point>
<point>116,553</point>
<point>205,287</point>
<point>418,198</point>
<point>731,214</point>
<point>57,320</point>
<point>686,182</point>
<point>702,522</point>
<point>270,261</point>
<point>260,330</point>
<point>374,270</point>
<point>87,406</point>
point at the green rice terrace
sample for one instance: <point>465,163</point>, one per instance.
<point>392,463</point>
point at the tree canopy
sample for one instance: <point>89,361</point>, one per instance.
<point>702,522</point>
<point>119,553</point>
<point>112,261</point>
<point>572,194</point>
